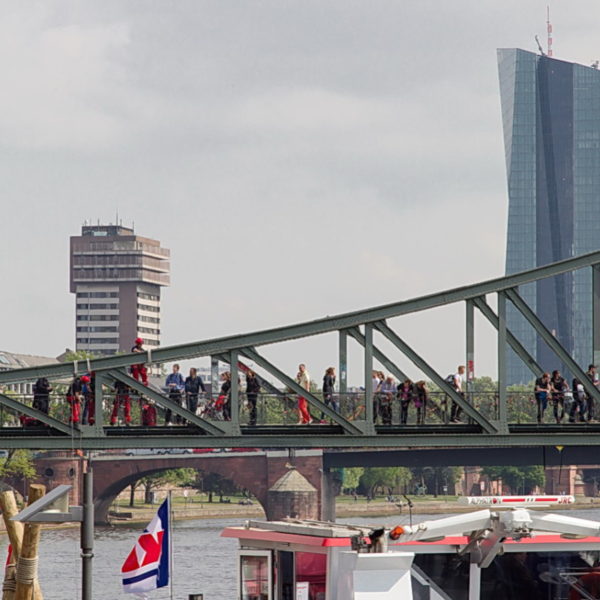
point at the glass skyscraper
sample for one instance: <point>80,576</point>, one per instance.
<point>551,120</point>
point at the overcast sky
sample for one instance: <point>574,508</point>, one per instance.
<point>300,159</point>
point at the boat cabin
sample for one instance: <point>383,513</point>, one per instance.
<point>488,554</point>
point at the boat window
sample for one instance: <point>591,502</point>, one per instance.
<point>255,575</point>
<point>518,575</point>
<point>285,575</point>
<point>311,575</point>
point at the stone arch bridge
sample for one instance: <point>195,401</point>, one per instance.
<point>255,471</point>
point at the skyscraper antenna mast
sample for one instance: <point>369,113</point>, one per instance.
<point>549,30</point>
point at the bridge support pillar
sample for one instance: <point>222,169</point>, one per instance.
<point>330,488</point>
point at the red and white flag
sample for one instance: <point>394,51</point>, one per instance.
<point>147,566</point>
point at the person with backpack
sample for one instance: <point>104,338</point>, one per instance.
<point>41,395</point>
<point>455,380</point>
<point>579,404</point>
<point>252,391</point>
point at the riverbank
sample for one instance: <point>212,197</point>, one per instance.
<point>345,508</point>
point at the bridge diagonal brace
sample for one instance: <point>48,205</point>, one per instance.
<point>487,311</point>
<point>206,426</point>
<point>552,342</point>
<point>421,364</point>
<point>348,426</point>
<point>244,368</point>
<point>19,407</point>
<point>391,366</point>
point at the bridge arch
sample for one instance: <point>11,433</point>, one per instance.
<point>254,471</point>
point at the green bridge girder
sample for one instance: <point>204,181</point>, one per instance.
<point>361,326</point>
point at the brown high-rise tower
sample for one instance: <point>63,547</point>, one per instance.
<point>116,277</point>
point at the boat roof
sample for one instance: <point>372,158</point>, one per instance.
<point>320,534</point>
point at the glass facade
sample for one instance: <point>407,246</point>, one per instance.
<point>551,121</point>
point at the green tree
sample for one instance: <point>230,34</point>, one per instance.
<point>390,478</point>
<point>434,479</point>
<point>18,463</point>
<point>518,479</point>
<point>351,477</point>
<point>150,483</point>
<point>213,483</point>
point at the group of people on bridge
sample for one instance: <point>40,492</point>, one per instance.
<point>389,397</point>
<point>573,401</point>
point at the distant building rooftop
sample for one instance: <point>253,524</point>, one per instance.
<point>11,360</point>
<point>105,230</point>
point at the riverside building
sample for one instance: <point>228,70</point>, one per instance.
<point>116,277</point>
<point>551,121</point>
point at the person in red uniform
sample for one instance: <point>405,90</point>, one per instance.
<point>148,413</point>
<point>123,399</point>
<point>88,394</point>
<point>74,399</point>
<point>139,371</point>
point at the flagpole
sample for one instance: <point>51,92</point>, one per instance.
<point>170,546</point>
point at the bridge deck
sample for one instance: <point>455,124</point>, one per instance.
<point>313,436</point>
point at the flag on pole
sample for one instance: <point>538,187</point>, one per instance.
<point>147,566</point>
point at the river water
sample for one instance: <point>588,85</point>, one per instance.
<point>204,562</point>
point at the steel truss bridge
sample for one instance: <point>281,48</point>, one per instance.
<point>366,327</point>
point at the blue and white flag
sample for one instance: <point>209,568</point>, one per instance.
<point>147,566</point>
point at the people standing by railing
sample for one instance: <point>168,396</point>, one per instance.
<point>420,399</point>
<point>387,391</point>
<point>41,395</point>
<point>592,374</point>
<point>74,400</point>
<point>175,386</point>
<point>149,415</point>
<point>139,371</point>
<point>122,399</point>
<point>303,380</point>
<point>252,391</point>
<point>405,396</point>
<point>223,404</point>
<point>377,381</point>
<point>328,390</point>
<point>542,391</point>
<point>88,399</point>
<point>559,388</point>
<point>578,408</point>
<point>193,386</point>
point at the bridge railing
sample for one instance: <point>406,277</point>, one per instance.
<point>282,409</point>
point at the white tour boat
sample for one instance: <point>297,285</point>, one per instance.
<point>502,551</point>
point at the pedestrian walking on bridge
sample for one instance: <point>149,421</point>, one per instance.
<point>303,380</point>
